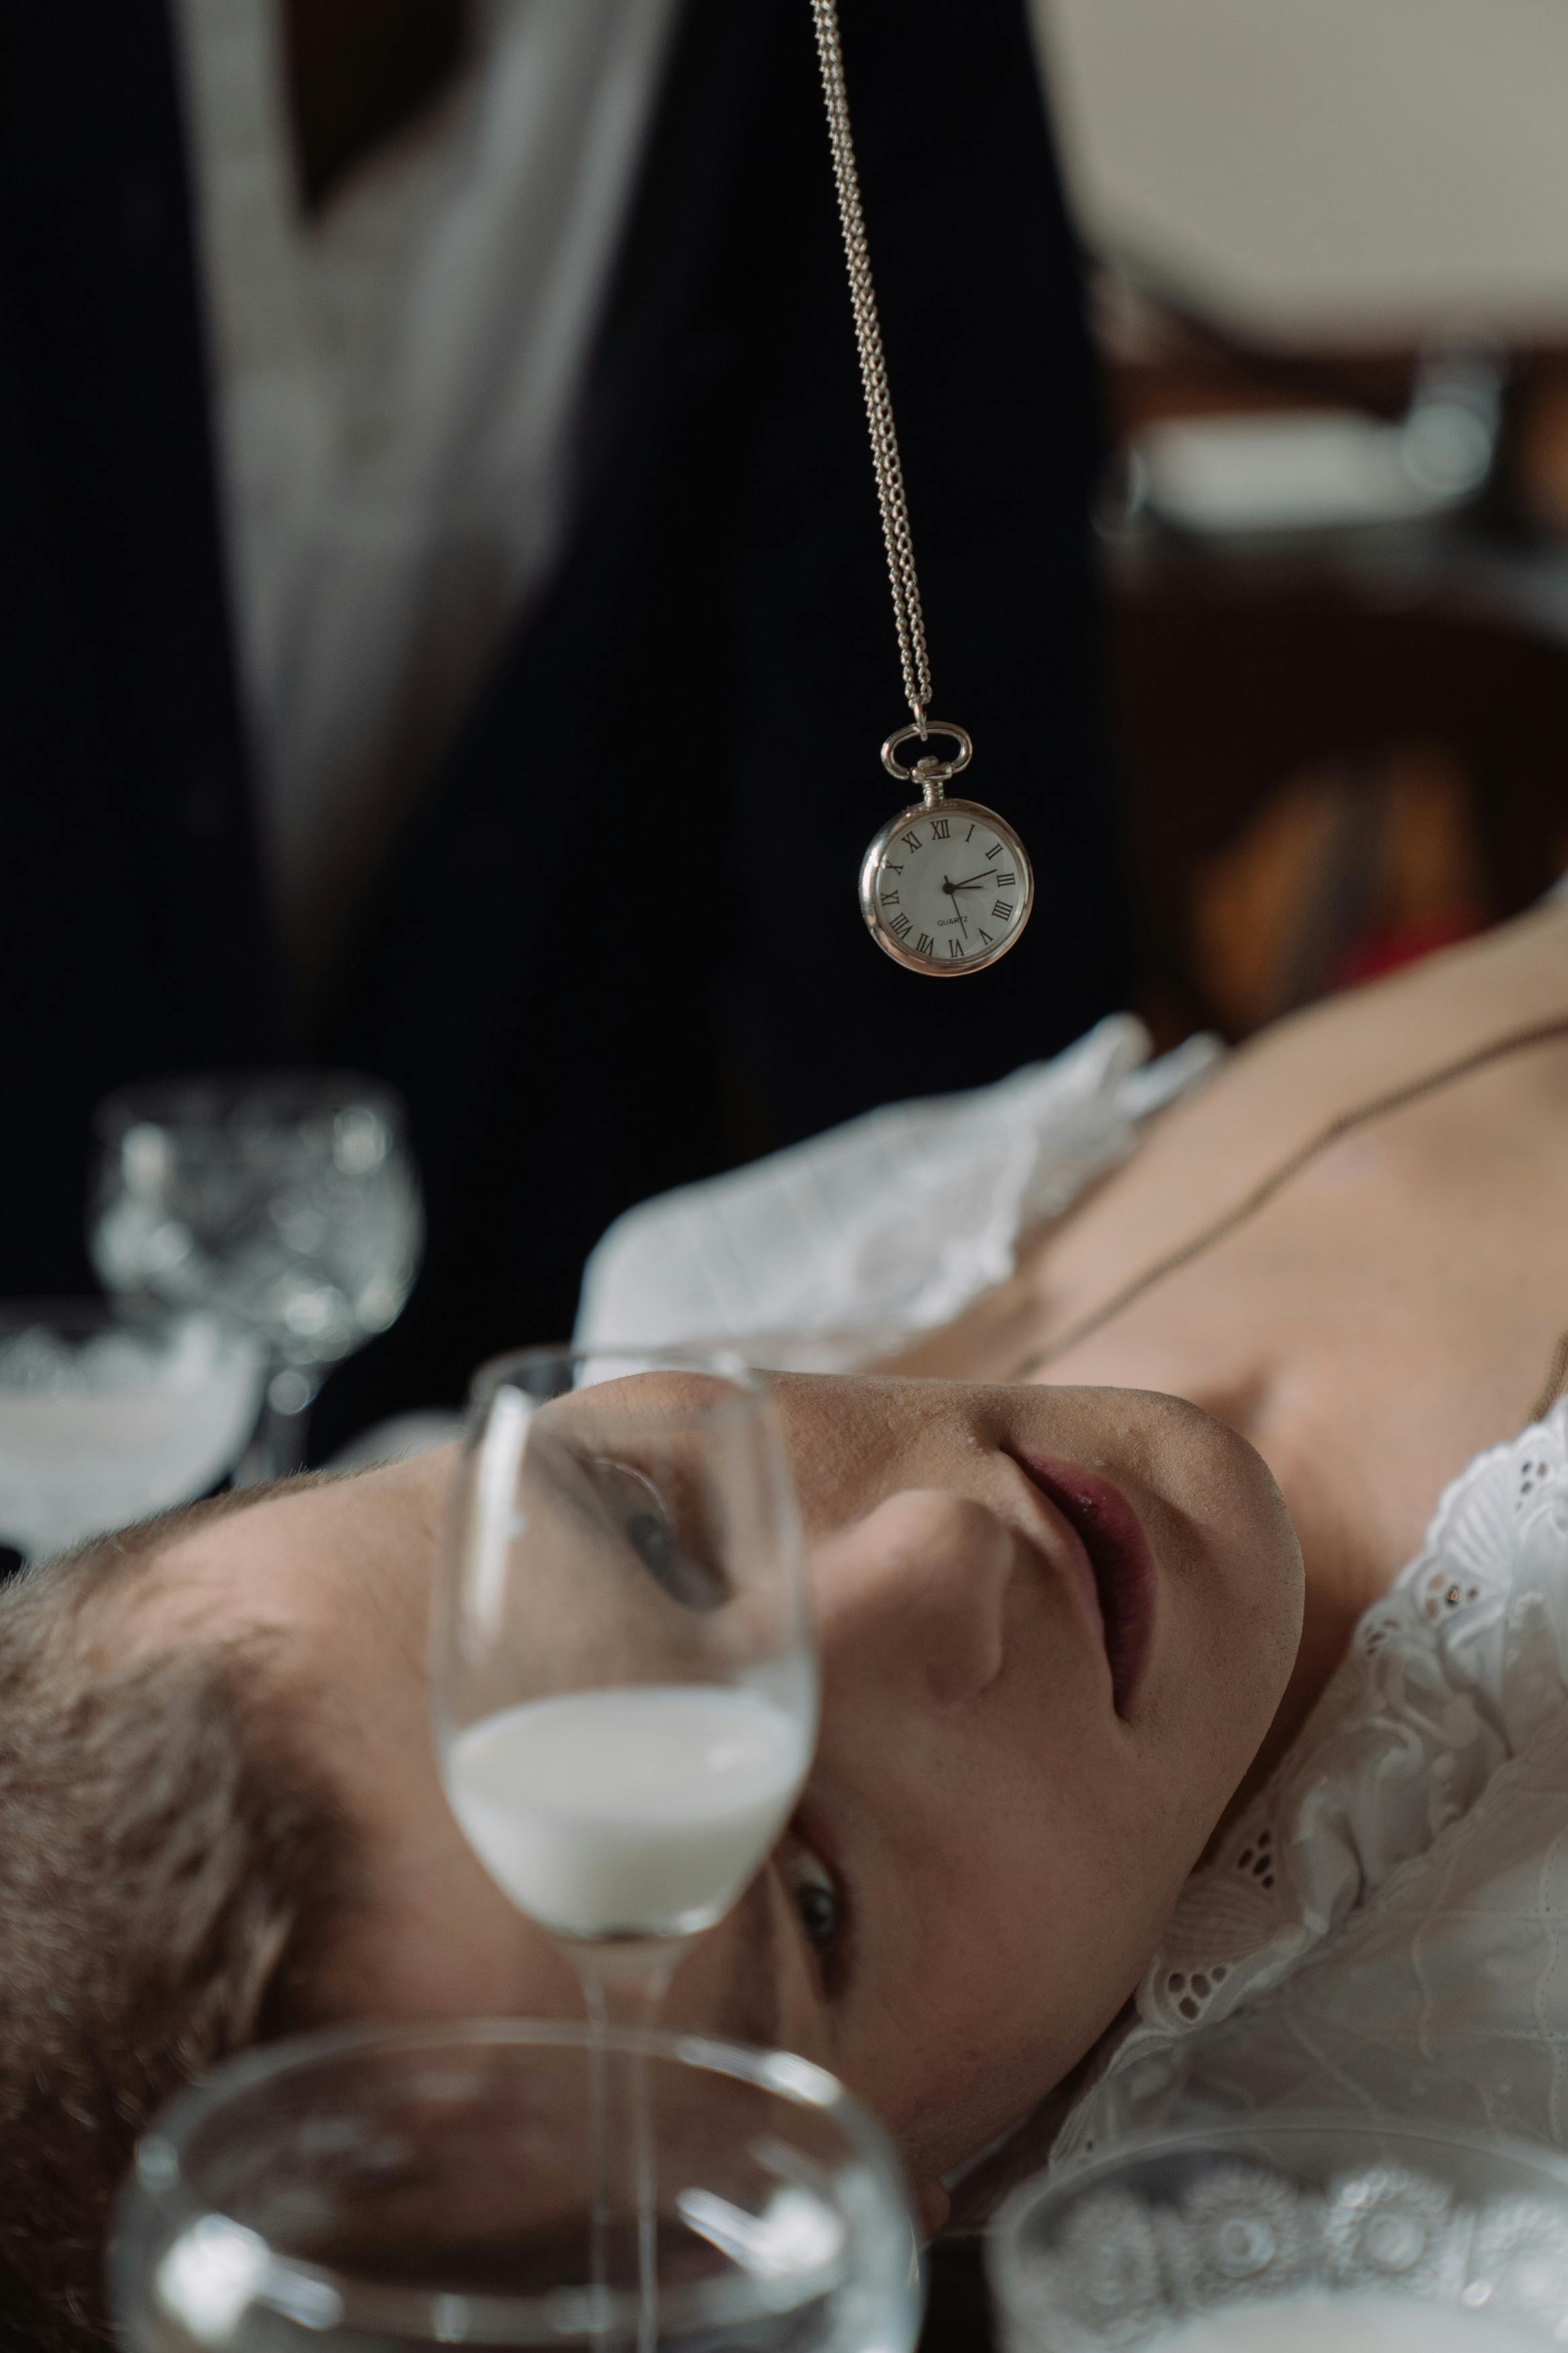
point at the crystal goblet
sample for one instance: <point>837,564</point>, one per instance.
<point>1371,2235</point>
<point>288,1200</point>
<point>104,1420</point>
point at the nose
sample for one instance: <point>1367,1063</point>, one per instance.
<point>916,1593</point>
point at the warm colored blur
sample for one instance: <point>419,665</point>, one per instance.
<point>1333,306</point>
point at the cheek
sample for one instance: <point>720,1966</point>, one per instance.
<point>1229,1638</point>
<point>1048,1919</point>
<point>1036,1955</point>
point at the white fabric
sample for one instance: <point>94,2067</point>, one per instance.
<point>395,382</point>
<point>895,1220</point>
<point>1387,1927</point>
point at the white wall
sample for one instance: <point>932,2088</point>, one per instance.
<point>1371,170</point>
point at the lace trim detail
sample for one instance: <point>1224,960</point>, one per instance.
<point>1451,1675</point>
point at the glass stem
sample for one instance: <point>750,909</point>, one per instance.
<point>626,1985</point>
<point>599,2131</point>
<point>278,1448</point>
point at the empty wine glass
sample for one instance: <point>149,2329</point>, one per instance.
<point>103,1420</point>
<point>409,2188</point>
<point>626,1685</point>
<point>288,1200</point>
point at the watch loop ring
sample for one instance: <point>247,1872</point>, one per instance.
<point>940,769</point>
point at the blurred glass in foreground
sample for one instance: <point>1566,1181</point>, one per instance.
<point>1290,2234</point>
<point>435,2185</point>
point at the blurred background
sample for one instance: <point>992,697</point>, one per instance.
<point>446,637</point>
<point>1329,273</point>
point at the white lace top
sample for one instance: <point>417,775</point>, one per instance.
<point>1387,1927</point>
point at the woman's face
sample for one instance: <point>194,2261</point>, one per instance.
<point>1054,1625</point>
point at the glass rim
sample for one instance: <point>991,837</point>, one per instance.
<point>161,2181</point>
<point>152,1101</point>
<point>1006,2258</point>
<point>725,1363</point>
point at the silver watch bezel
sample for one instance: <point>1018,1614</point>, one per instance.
<point>876,851</point>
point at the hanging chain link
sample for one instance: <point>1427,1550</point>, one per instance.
<point>885,458</point>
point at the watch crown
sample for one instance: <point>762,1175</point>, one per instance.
<point>933,775</point>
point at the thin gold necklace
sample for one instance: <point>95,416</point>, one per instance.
<point>1345,1124</point>
<point>946,886</point>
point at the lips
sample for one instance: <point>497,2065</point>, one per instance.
<point>1119,1558</point>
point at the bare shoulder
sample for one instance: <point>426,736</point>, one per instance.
<point>1268,1101</point>
<point>1284,1087</point>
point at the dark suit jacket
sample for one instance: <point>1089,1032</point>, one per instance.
<point>619,944</point>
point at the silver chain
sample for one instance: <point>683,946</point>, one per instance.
<point>885,458</point>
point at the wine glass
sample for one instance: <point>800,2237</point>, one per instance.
<point>1263,2235</point>
<point>408,2188</point>
<point>103,1420</point>
<point>288,1200</point>
<point>624,1683</point>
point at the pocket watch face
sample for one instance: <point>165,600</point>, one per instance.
<point>946,890</point>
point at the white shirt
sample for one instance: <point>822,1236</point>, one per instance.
<point>1386,1929</point>
<point>393,387</point>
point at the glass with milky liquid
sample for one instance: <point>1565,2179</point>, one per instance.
<point>625,1673</point>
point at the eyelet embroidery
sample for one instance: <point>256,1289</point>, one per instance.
<point>1256,1860</point>
<point>1191,1994</point>
<point>1419,1642</point>
<point>1445,1593</point>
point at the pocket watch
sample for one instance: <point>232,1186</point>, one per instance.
<point>946,886</point>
